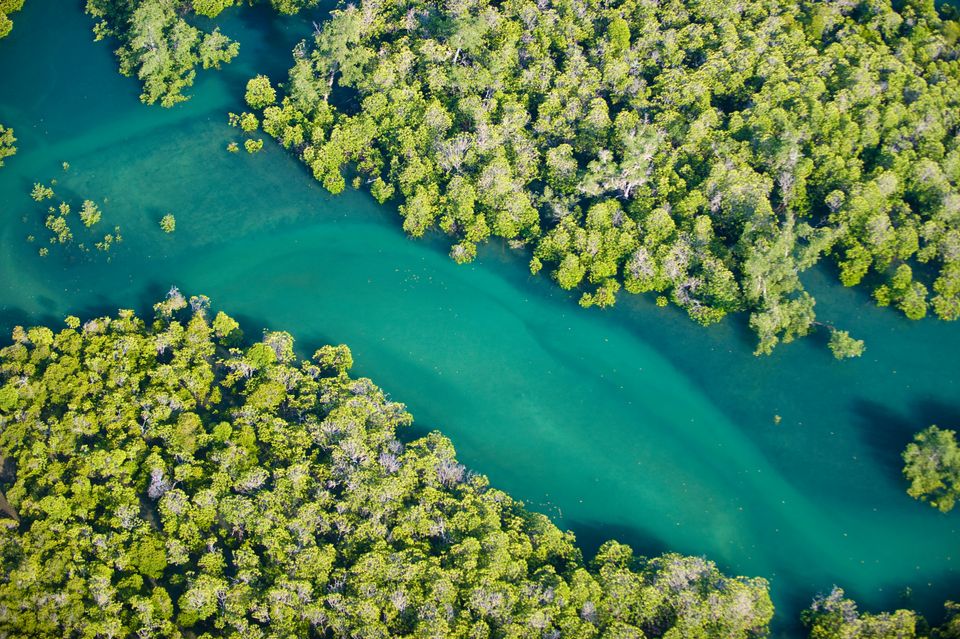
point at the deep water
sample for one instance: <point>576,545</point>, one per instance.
<point>632,423</point>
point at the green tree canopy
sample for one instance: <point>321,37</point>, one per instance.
<point>843,346</point>
<point>158,45</point>
<point>166,482</point>
<point>834,616</point>
<point>932,466</point>
<point>6,24</point>
<point>7,142</point>
<point>707,151</point>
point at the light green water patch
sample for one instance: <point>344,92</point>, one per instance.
<point>632,423</point>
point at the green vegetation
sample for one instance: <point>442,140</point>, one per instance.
<point>260,94</point>
<point>57,221</point>
<point>932,466</point>
<point>706,150</point>
<point>951,627</point>
<point>6,24</point>
<point>843,346</point>
<point>834,616</point>
<point>249,124</point>
<point>7,141</point>
<point>162,480</point>
<point>212,8</point>
<point>41,192</point>
<point>90,213</point>
<point>158,45</point>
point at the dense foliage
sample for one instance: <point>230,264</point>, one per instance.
<point>709,150</point>
<point>212,8</point>
<point>162,481</point>
<point>7,142</point>
<point>158,45</point>
<point>6,8</point>
<point>932,466</point>
<point>834,616</point>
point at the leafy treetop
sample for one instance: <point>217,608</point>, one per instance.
<point>932,466</point>
<point>6,24</point>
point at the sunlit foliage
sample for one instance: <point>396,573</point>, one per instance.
<point>6,24</point>
<point>707,151</point>
<point>834,616</point>
<point>163,480</point>
<point>7,142</point>
<point>158,45</point>
<point>932,466</point>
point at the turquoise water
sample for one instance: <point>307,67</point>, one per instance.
<point>632,423</point>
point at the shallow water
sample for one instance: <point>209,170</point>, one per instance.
<point>632,423</point>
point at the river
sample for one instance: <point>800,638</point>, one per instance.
<point>631,423</point>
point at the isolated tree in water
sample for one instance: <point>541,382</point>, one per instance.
<point>932,466</point>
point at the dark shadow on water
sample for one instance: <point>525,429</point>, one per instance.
<point>276,35</point>
<point>934,411</point>
<point>253,327</point>
<point>893,597</point>
<point>862,293</point>
<point>884,431</point>
<point>789,627</point>
<point>97,306</point>
<point>944,587</point>
<point>417,431</point>
<point>887,432</point>
<point>593,534</point>
<point>746,338</point>
<point>10,317</point>
<point>151,293</point>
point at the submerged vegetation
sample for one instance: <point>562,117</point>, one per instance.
<point>168,223</point>
<point>708,150</point>
<point>57,221</point>
<point>249,124</point>
<point>163,480</point>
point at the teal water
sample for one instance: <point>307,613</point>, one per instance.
<point>632,423</point>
